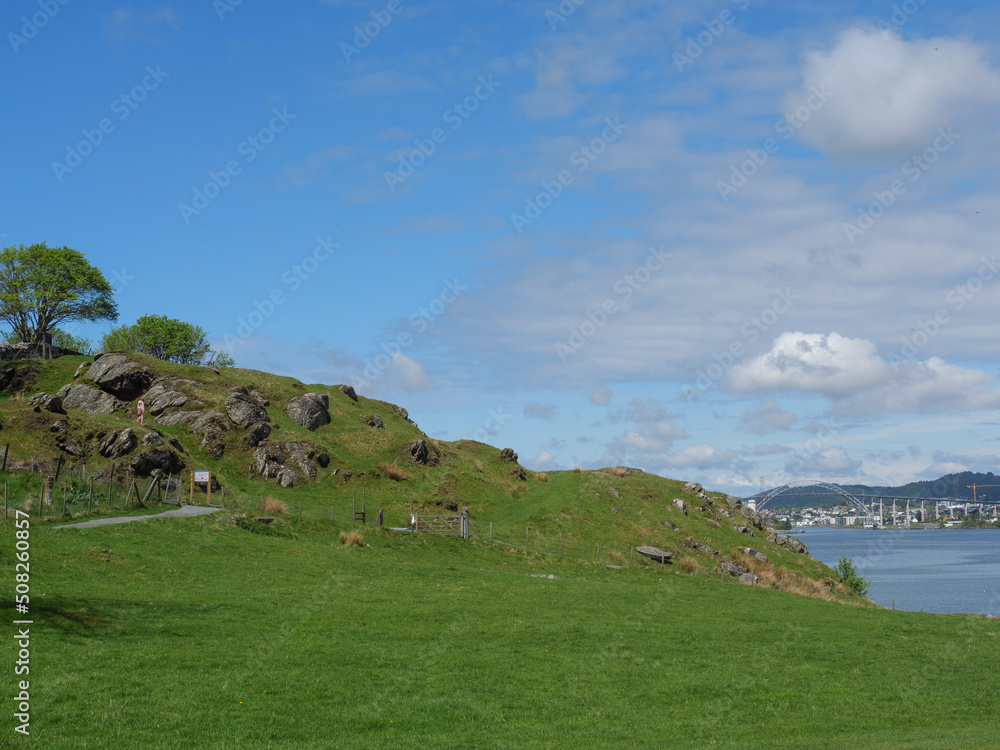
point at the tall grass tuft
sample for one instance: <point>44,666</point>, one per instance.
<point>351,539</point>
<point>542,477</point>
<point>275,507</point>
<point>393,472</point>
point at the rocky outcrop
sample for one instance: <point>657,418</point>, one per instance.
<point>163,395</point>
<point>269,460</point>
<point>311,410</point>
<point>157,459</point>
<point>622,470</point>
<point>743,530</point>
<point>732,568</point>
<point>655,553</point>
<point>751,552</point>
<point>401,412</point>
<point>418,452</point>
<point>122,378</point>
<point>680,505</point>
<point>375,421</point>
<point>257,434</point>
<point>243,409</point>
<point>302,454</point>
<point>507,454</point>
<point>178,417</point>
<point>89,400</point>
<point>287,478</point>
<point>211,426</point>
<point>348,391</point>
<point>16,377</point>
<point>48,402</point>
<point>749,579</point>
<point>152,438</point>
<point>117,444</point>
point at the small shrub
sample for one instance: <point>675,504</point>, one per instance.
<point>618,471</point>
<point>577,470</point>
<point>543,477</point>
<point>393,472</point>
<point>351,539</point>
<point>849,575</point>
<point>479,466</point>
<point>270,505</point>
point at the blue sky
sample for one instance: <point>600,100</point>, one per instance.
<point>716,240</point>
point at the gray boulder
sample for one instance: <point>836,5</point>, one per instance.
<point>751,552</point>
<point>679,504</point>
<point>418,452</point>
<point>211,426</point>
<point>178,417</point>
<point>152,438</point>
<point>115,374</point>
<point>301,454</point>
<point>375,421</point>
<point>401,412</point>
<point>749,579</point>
<point>158,459</point>
<point>88,399</point>
<point>795,545</point>
<point>257,434</point>
<point>507,454</point>
<point>348,391</point>
<point>733,569</point>
<point>117,444</point>
<point>162,395</point>
<point>311,410</point>
<point>243,409</point>
<point>655,553</point>
<point>287,478</point>
<point>743,530</point>
<point>84,366</point>
<point>269,460</point>
<point>734,502</point>
<point>47,401</point>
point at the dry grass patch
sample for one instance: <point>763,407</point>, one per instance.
<point>351,539</point>
<point>689,565</point>
<point>617,471</point>
<point>272,506</point>
<point>478,466</point>
<point>393,472</point>
<point>543,477</point>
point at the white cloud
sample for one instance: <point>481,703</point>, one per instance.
<point>767,417</point>
<point>822,463</point>
<point>859,381</point>
<point>700,457</point>
<point>888,96</point>
<point>407,374</point>
<point>600,395</point>
<point>539,411</point>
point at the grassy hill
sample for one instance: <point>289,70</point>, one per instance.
<point>307,632</point>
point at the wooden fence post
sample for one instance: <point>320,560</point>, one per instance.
<point>90,497</point>
<point>41,500</point>
<point>111,479</point>
<point>6,450</point>
<point>5,502</point>
<point>631,554</point>
<point>331,512</point>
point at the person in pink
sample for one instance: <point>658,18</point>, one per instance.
<point>140,409</point>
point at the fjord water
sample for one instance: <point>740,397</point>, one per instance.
<point>936,570</point>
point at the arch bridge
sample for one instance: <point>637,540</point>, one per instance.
<point>763,498</point>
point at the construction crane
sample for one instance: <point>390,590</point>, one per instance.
<point>973,488</point>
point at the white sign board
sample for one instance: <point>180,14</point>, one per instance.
<point>201,477</point>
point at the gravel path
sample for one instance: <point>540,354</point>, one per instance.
<point>182,512</point>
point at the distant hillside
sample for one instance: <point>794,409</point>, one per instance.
<point>957,486</point>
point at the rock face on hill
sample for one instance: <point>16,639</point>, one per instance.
<point>243,409</point>
<point>311,410</point>
<point>162,395</point>
<point>115,374</point>
<point>10,352</point>
<point>117,444</point>
<point>89,400</point>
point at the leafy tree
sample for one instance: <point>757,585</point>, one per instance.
<point>164,338</point>
<point>42,286</point>
<point>849,575</point>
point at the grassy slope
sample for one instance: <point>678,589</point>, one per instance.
<point>150,635</point>
<point>195,633</point>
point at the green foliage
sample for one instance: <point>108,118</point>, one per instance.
<point>60,338</point>
<point>782,525</point>
<point>42,286</point>
<point>849,575</point>
<point>164,338</point>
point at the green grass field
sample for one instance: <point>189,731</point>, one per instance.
<point>194,633</point>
